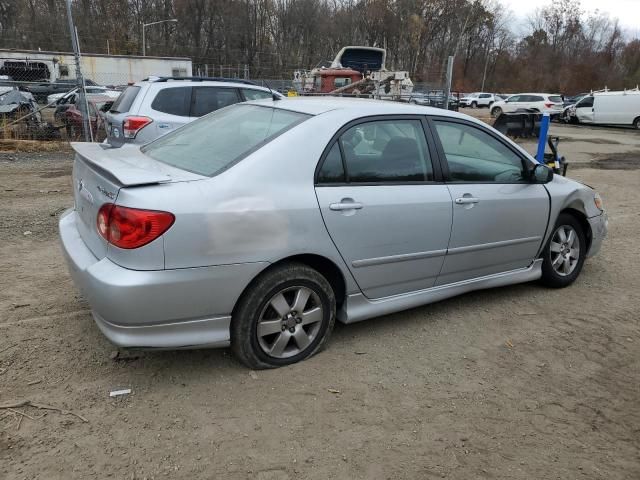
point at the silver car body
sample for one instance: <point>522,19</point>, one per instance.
<point>395,247</point>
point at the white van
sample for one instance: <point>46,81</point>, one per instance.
<point>610,108</point>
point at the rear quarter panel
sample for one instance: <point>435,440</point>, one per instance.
<point>263,209</point>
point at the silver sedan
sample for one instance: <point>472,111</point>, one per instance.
<point>259,225</point>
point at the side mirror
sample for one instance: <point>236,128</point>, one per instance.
<point>541,174</point>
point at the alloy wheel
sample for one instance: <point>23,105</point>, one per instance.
<point>290,322</point>
<point>564,250</point>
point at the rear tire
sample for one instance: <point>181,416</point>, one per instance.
<point>564,254</point>
<point>474,104</point>
<point>636,123</point>
<point>286,315</point>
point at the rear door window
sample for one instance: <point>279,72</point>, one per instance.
<point>535,98</point>
<point>385,151</point>
<point>555,98</point>
<point>208,99</point>
<point>174,101</point>
<point>125,100</point>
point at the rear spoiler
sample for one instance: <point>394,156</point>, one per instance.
<point>128,166</point>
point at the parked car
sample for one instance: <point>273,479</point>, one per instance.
<point>606,108</point>
<point>69,99</point>
<point>258,225</point>
<point>72,117</point>
<point>534,102</point>
<point>478,99</point>
<point>66,97</point>
<point>154,107</point>
<point>433,99</point>
<point>42,90</point>
<point>573,99</point>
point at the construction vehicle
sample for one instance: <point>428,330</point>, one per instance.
<point>355,71</point>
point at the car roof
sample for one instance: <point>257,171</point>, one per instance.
<point>208,83</point>
<point>360,107</point>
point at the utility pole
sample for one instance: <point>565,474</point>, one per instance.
<point>79,79</point>
<point>449,81</point>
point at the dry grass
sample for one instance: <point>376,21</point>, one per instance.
<point>13,145</point>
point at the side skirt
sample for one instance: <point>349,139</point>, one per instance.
<point>357,307</point>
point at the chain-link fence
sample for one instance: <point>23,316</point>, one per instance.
<point>39,109</point>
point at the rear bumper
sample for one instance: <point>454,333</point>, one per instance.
<point>599,228</point>
<point>177,308</point>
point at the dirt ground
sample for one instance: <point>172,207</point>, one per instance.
<point>512,383</point>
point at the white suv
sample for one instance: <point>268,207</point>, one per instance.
<point>478,99</point>
<point>536,102</point>
<point>154,107</point>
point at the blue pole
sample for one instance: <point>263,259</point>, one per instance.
<point>542,138</point>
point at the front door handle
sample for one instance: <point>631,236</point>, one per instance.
<point>345,204</point>
<point>466,200</point>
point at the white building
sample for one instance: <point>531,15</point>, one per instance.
<point>34,65</point>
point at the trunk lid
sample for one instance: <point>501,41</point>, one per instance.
<point>98,175</point>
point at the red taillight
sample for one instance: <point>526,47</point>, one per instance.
<point>132,125</point>
<point>549,105</point>
<point>131,227</point>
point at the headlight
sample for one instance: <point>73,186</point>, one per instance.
<point>598,201</point>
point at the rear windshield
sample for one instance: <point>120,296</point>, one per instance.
<point>215,142</point>
<point>555,98</point>
<point>125,100</point>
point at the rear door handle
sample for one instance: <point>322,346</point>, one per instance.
<point>345,204</point>
<point>466,200</point>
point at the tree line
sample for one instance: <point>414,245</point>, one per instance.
<point>562,50</point>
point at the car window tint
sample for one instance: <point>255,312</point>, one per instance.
<point>214,142</point>
<point>514,98</point>
<point>475,156</point>
<point>174,101</point>
<point>555,98</point>
<point>386,151</point>
<point>208,99</point>
<point>125,100</point>
<point>251,94</point>
<point>535,98</point>
<point>332,170</point>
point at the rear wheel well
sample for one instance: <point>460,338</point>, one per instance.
<point>636,122</point>
<point>322,265</point>
<point>584,223</point>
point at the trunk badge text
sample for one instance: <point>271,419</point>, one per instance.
<point>106,192</point>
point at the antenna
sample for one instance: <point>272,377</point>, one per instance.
<point>273,95</point>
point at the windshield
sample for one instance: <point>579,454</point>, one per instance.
<point>218,140</point>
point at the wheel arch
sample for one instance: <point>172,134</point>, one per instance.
<point>323,265</point>
<point>576,211</point>
<point>636,122</point>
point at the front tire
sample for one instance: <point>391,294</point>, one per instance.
<point>496,112</point>
<point>474,104</point>
<point>564,254</point>
<point>286,315</point>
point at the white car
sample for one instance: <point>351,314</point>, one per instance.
<point>538,102</point>
<point>91,90</point>
<point>478,99</point>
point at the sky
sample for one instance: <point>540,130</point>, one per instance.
<point>627,11</point>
